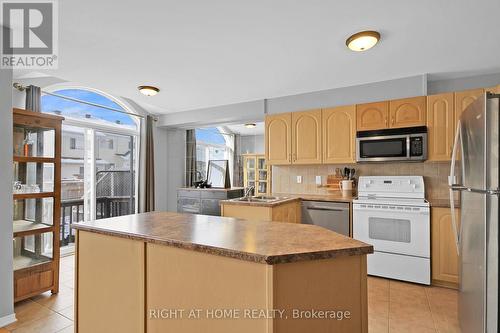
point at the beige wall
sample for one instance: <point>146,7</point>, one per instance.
<point>435,176</point>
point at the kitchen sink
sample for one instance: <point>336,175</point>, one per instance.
<point>260,198</point>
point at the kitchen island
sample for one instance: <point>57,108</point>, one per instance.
<point>169,272</point>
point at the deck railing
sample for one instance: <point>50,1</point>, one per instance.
<point>72,211</point>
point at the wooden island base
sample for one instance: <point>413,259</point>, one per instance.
<point>132,285</point>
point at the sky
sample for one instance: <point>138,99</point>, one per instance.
<point>210,135</point>
<point>79,110</point>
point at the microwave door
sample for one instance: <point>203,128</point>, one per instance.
<point>383,148</point>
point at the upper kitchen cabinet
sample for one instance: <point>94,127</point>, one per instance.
<point>407,112</point>
<point>279,139</point>
<point>463,99</point>
<point>440,126</point>
<point>339,134</point>
<point>372,116</point>
<point>495,89</point>
<point>306,137</point>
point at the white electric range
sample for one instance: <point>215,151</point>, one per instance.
<point>391,213</point>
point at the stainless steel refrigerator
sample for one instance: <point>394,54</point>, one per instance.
<point>476,155</point>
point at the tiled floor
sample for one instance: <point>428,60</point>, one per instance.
<point>46,313</point>
<point>392,307</point>
<point>395,306</point>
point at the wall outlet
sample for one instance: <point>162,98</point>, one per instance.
<point>299,179</point>
<point>318,180</point>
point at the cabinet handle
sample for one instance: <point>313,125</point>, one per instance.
<point>392,120</point>
<point>386,122</point>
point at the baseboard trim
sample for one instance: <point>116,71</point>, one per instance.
<point>6,320</point>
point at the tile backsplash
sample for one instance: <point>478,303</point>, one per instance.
<point>284,178</point>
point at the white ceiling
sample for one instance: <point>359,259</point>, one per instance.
<point>242,130</point>
<point>207,53</point>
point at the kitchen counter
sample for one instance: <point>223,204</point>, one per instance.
<point>149,272</point>
<point>287,197</point>
<point>267,243</point>
<point>332,196</point>
<point>283,199</point>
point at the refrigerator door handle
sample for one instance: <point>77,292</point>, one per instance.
<point>452,181</point>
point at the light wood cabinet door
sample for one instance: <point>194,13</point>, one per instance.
<point>494,90</point>
<point>372,116</point>
<point>463,99</point>
<point>339,134</point>
<point>306,137</point>
<point>279,139</point>
<point>440,126</point>
<point>407,112</point>
<point>444,255</point>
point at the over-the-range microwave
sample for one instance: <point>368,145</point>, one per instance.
<point>394,144</point>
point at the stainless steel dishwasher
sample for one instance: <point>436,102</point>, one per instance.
<point>329,215</point>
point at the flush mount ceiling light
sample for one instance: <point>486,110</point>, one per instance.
<point>362,41</point>
<point>148,90</point>
<point>251,125</point>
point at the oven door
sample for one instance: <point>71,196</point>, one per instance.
<point>393,229</point>
<point>383,148</point>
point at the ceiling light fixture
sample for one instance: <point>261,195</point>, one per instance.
<point>148,90</point>
<point>250,125</point>
<point>363,40</point>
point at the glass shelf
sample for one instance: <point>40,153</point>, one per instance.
<point>25,228</point>
<point>33,177</point>
<point>32,250</point>
<point>39,210</point>
<point>33,141</point>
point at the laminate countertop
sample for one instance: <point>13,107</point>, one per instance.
<point>261,242</point>
<point>335,196</point>
<point>284,198</point>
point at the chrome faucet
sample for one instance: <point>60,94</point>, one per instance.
<point>248,190</point>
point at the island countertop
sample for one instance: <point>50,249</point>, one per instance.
<point>261,242</point>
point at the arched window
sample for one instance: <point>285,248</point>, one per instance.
<point>85,112</point>
<point>211,144</point>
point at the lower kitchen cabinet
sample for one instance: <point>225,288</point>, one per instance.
<point>289,211</point>
<point>444,257</point>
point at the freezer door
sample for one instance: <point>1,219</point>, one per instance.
<point>480,144</point>
<point>473,135</point>
<point>492,142</point>
<point>471,302</point>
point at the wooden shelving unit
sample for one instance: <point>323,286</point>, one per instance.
<point>257,173</point>
<point>37,167</point>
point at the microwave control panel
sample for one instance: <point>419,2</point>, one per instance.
<point>416,146</point>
